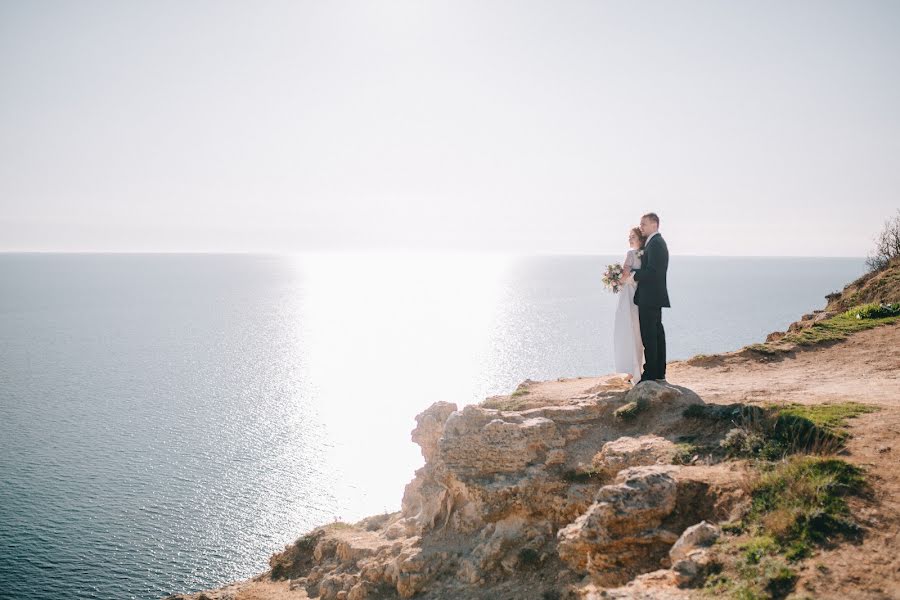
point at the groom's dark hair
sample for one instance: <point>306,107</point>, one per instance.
<point>652,217</point>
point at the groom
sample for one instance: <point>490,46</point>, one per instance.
<point>651,296</point>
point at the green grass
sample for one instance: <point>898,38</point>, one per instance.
<point>685,452</point>
<point>629,411</point>
<point>775,431</point>
<point>756,548</point>
<point>831,417</point>
<point>767,349</point>
<point>796,506</point>
<point>801,502</point>
<point>839,327</point>
<point>765,578</point>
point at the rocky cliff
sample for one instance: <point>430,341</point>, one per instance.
<point>583,493</point>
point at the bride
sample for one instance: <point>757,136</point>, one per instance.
<point>627,347</point>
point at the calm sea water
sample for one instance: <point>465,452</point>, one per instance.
<point>168,421</point>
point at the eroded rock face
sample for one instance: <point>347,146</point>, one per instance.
<point>634,523</point>
<point>430,427</point>
<point>620,534</point>
<point>479,442</point>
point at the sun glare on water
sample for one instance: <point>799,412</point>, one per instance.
<point>383,337</point>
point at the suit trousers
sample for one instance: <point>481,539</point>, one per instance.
<point>653,337</point>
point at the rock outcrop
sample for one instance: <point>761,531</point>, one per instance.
<point>567,498</point>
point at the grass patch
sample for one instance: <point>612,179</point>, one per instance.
<point>770,577</point>
<point>801,503</point>
<point>796,506</point>
<point>838,327</point>
<point>685,452</point>
<point>767,349</point>
<point>628,412</point>
<point>831,417</point>
<point>774,431</point>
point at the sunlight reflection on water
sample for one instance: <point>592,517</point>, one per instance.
<point>387,335</point>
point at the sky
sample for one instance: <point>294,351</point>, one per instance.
<point>765,128</point>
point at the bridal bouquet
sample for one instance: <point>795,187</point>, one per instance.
<point>612,279</point>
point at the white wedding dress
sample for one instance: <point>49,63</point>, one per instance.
<point>628,349</point>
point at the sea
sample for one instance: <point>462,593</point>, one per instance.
<point>168,421</point>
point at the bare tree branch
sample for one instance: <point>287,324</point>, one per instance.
<point>887,245</point>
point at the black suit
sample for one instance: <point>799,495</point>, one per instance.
<point>651,296</point>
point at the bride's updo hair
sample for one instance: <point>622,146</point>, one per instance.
<point>640,236</point>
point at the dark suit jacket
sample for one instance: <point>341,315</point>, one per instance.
<point>651,277</point>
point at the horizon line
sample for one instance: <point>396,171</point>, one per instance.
<point>391,251</point>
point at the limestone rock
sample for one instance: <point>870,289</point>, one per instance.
<point>646,393</point>
<point>628,451</point>
<point>430,426</point>
<point>701,535</point>
<point>655,585</point>
<point>693,567</point>
<point>619,535</point>
<point>506,542</point>
<point>478,441</point>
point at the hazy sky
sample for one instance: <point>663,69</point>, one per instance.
<point>754,128</point>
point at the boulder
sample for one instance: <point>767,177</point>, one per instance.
<point>701,535</point>
<point>619,535</point>
<point>629,451</point>
<point>690,555</point>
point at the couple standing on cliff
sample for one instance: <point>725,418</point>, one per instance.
<point>639,340</point>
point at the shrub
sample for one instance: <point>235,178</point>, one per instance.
<point>887,245</point>
<point>296,558</point>
<point>630,411</point>
<point>874,311</point>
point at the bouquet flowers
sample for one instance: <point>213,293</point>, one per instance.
<point>612,279</point>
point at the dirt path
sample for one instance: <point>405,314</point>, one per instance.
<point>864,368</point>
